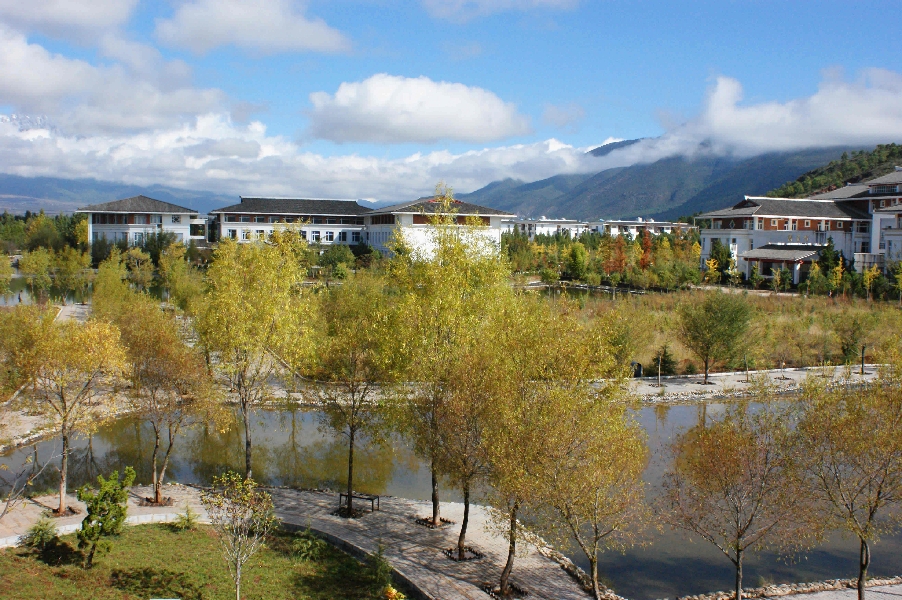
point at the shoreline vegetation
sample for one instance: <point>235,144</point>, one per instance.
<point>539,420</point>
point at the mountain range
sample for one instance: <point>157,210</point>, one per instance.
<point>666,189</point>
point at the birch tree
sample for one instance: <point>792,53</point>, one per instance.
<point>248,311</point>
<point>67,368</point>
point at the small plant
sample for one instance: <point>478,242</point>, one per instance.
<point>380,569</point>
<point>107,509</point>
<point>186,521</point>
<point>40,536</point>
<point>306,547</point>
<point>690,368</point>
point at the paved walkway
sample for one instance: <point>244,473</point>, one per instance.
<point>417,552</point>
<point>880,592</point>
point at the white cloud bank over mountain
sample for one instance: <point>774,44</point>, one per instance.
<point>389,109</point>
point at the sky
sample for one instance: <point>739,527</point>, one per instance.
<point>375,99</point>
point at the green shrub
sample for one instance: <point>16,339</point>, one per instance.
<point>107,509</point>
<point>379,567</point>
<point>40,536</point>
<point>306,547</point>
<point>186,521</point>
<point>690,368</point>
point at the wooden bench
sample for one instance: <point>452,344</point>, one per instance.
<point>371,498</point>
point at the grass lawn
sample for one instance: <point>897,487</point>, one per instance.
<point>155,561</point>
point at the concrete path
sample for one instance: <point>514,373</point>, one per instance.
<point>77,312</point>
<point>879,592</point>
<point>416,552</point>
<point>723,385</point>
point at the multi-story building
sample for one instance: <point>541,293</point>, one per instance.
<point>635,227</point>
<point>411,220</point>
<point>131,220</point>
<point>545,226</point>
<point>321,221</point>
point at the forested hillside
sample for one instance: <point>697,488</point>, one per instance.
<point>851,167</point>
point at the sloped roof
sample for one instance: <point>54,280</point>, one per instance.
<point>784,252</point>
<point>853,190</point>
<point>137,204</point>
<point>788,207</point>
<point>296,206</point>
<point>431,206</point>
<point>890,179</point>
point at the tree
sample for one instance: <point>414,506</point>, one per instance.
<point>107,507</point>
<point>869,277</point>
<point>253,307</point>
<point>592,473</point>
<point>712,272</point>
<point>755,278</point>
<point>335,255</point>
<point>242,517</point>
<point>444,292</point>
<point>353,363</point>
<point>140,268</point>
<point>15,482</point>
<point>72,271</point>
<point>64,366</point>
<point>734,483</point>
<point>6,274</point>
<point>853,460</point>
<point>182,282</point>
<point>169,380</point>
<point>577,261</point>
<point>711,328</point>
<point>35,267</point>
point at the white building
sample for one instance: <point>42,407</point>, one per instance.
<point>635,227</point>
<point>412,219</point>
<point>322,221</point>
<point>131,220</point>
<point>545,226</point>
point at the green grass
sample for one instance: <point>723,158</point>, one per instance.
<point>154,561</point>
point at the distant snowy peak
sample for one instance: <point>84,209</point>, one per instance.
<point>26,122</point>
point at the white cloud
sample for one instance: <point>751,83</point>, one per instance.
<point>463,10</point>
<point>266,26</point>
<point>565,116</point>
<point>391,109</point>
<point>73,19</point>
<point>87,99</point>
<point>212,153</point>
<point>864,111</point>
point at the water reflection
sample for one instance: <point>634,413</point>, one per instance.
<point>292,451</point>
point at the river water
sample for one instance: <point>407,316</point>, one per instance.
<point>289,449</point>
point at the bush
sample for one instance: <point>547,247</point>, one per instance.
<point>668,362</point>
<point>306,547</point>
<point>379,567</point>
<point>548,275</point>
<point>40,536</point>
<point>186,521</point>
<point>690,368</point>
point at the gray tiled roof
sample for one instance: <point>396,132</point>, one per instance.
<point>787,252</point>
<point>788,207</point>
<point>848,191</point>
<point>296,206</point>
<point>894,177</point>
<point>137,204</point>
<point>430,206</point>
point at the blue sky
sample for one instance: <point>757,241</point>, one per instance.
<point>379,99</point>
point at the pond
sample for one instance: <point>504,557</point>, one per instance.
<point>290,450</point>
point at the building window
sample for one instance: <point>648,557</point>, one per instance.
<point>882,203</point>
<point>261,234</point>
<point>773,223</point>
<point>156,219</point>
<point>883,189</point>
<point>231,219</point>
<point>342,236</point>
<point>259,219</point>
<point>839,225</point>
<point>807,223</point>
<point>330,236</point>
<point>245,234</point>
<point>314,236</point>
<point>140,219</point>
<point>382,220</point>
<point>232,233</point>
<point>303,234</point>
<point>139,238</point>
<point>176,218</point>
<point>355,237</point>
<point>245,218</point>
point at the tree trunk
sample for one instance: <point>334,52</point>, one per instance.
<point>159,496</point>
<point>462,538</point>
<point>350,505</point>
<point>247,440</point>
<point>596,586</point>
<point>436,505</point>
<point>511,551</point>
<point>238,581</point>
<point>864,561</point>
<point>739,575</point>
<point>64,471</point>
<point>706,371</point>
<point>153,461</point>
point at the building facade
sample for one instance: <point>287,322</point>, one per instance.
<point>132,220</point>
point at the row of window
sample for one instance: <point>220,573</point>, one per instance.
<point>884,189</point>
<point>286,219</point>
<point>315,236</point>
<point>135,239</point>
